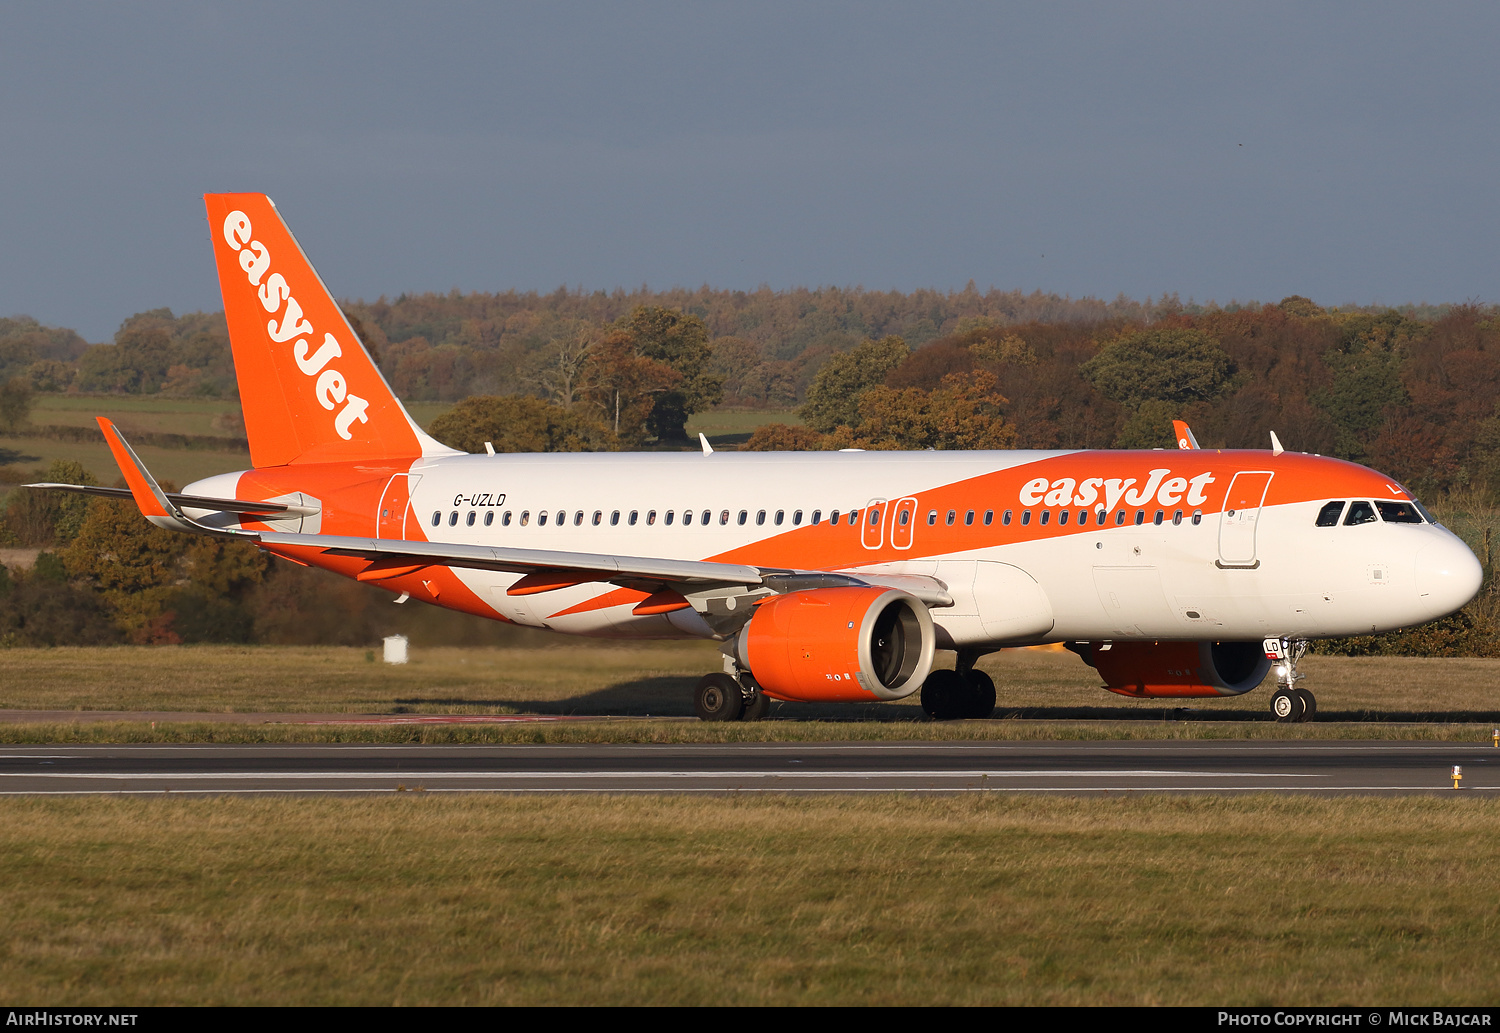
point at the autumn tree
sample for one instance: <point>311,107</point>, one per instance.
<point>520,423</point>
<point>43,519</point>
<point>833,397</point>
<point>963,413</point>
<point>1170,364</point>
<point>680,342</point>
<point>782,437</point>
<point>625,387</point>
<point>15,404</point>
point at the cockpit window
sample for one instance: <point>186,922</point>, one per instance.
<point>1328,516</point>
<point>1398,512</point>
<point>1360,512</point>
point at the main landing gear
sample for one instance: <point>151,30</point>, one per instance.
<point>960,693</point>
<point>720,697</point>
<point>1290,703</point>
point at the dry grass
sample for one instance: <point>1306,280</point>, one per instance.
<point>884,900</point>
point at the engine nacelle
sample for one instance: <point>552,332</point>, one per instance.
<point>1168,669</point>
<point>838,644</point>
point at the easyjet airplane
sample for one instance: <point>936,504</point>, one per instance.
<point>822,575</point>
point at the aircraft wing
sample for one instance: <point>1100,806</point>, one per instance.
<point>545,569</point>
<point>247,506</point>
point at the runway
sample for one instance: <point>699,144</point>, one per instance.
<point>1056,767</point>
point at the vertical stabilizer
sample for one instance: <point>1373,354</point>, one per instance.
<point>310,392</point>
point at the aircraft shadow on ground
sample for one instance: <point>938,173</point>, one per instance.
<point>672,697</point>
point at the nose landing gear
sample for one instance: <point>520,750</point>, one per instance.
<point>1290,703</point>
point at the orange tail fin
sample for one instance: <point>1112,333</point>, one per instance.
<point>310,392</point>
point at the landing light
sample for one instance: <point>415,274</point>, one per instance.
<point>1458,775</point>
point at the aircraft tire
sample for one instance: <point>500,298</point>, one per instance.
<point>757,708</point>
<point>982,694</point>
<point>1286,706</point>
<point>1309,705</point>
<point>946,696</point>
<point>717,697</point>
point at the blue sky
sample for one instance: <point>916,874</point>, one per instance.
<point>1343,151</point>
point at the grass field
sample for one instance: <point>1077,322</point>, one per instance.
<point>872,900</point>
<point>1043,694</point>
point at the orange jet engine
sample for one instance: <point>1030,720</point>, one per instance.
<point>1176,669</point>
<point>838,644</point>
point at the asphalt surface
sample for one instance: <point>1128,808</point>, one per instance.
<point>1057,767</point>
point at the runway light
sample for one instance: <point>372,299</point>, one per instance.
<point>1458,775</point>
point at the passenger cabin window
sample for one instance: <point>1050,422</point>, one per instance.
<point>817,516</point>
<point>724,517</point>
<point>489,518</point>
<point>1062,517</point>
<point>562,518</point>
<point>577,519</point>
<point>525,517</point>
<point>437,518</point>
<point>668,518</point>
<point>989,517</point>
<point>1360,512</point>
<point>1046,515</point>
<point>469,522</point>
<point>1140,517</point>
<point>505,519</point>
<point>1119,518</point>
<point>760,517</point>
<point>706,518</point>
<point>1005,518</point>
<point>687,518</point>
<point>453,518</point>
<point>599,518</point>
<point>1398,513</point>
<point>633,514</point>
<point>797,518</point>
<point>853,517</point>
<point>541,519</point>
<point>1176,517</point>
<point>952,516</point>
<point>780,516</point>
<point>1197,517</point>
<point>931,517</point>
<point>744,515</point>
<point>1158,518</point>
<point>614,518</point>
<point>1025,517</point>
<point>650,517</point>
<point>833,517</point>
<point>1328,516</point>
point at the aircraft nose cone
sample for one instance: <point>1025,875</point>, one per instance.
<point>1448,576</point>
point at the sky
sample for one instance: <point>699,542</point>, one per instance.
<point>1344,151</point>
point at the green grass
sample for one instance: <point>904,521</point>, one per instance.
<point>163,415</point>
<point>26,457</point>
<point>887,900</point>
<point>734,426</point>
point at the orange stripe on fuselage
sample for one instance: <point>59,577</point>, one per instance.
<point>1297,478</point>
